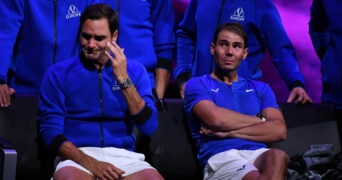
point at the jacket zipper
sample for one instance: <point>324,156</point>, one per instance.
<point>54,31</point>
<point>118,11</point>
<point>101,106</point>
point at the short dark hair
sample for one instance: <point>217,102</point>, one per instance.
<point>234,27</point>
<point>99,11</point>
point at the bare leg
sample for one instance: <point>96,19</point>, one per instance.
<point>272,164</point>
<point>150,174</point>
<point>70,172</point>
<point>251,175</point>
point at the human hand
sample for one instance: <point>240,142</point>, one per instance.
<point>212,133</point>
<point>161,105</point>
<point>299,96</point>
<point>5,95</point>
<point>104,171</point>
<point>119,61</point>
<point>181,90</point>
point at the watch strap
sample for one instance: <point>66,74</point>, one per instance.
<point>126,83</point>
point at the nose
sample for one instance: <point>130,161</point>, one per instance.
<point>229,50</point>
<point>91,43</point>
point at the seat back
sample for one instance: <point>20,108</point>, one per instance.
<point>308,125</point>
<point>18,127</point>
<point>171,149</point>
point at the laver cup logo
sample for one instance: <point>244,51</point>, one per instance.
<point>73,12</point>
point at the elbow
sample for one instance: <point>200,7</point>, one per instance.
<point>283,137</point>
<point>282,134</point>
<point>216,124</point>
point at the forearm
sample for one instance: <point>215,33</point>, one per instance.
<point>225,120</point>
<point>222,119</point>
<point>135,102</point>
<point>162,80</point>
<point>266,132</point>
<point>69,151</point>
<point>271,130</point>
<point>99,169</point>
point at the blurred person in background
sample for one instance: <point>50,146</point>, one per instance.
<point>147,35</point>
<point>265,31</point>
<point>33,36</point>
<point>325,31</point>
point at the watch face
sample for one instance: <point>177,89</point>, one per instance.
<point>126,84</point>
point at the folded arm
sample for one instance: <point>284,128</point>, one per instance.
<point>272,130</point>
<point>221,119</point>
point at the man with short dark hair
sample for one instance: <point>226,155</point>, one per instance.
<point>33,36</point>
<point>264,29</point>
<point>233,118</point>
<point>89,105</point>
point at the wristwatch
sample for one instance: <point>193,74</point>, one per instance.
<point>262,117</point>
<point>126,83</point>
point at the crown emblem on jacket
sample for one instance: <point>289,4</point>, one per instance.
<point>73,12</point>
<point>238,15</point>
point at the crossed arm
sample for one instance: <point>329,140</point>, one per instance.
<point>222,123</point>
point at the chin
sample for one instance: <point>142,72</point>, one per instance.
<point>91,57</point>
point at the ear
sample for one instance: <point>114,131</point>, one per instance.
<point>115,35</point>
<point>212,48</point>
<point>245,53</point>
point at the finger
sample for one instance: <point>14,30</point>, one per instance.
<point>203,131</point>
<point>114,175</point>
<point>117,173</point>
<point>114,48</point>
<point>2,102</point>
<point>182,94</point>
<point>107,176</point>
<point>290,98</point>
<point>300,100</point>
<point>119,56</point>
<point>307,100</point>
<point>5,96</point>
<point>110,57</point>
<point>12,91</point>
<point>120,50</point>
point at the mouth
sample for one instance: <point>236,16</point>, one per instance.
<point>91,51</point>
<point>228,61</point>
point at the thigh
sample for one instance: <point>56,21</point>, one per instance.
<point>252,155</point>
<point>69,172</point>
<point>145,174</point>
<point>227,165</point>
<point>130,162</point>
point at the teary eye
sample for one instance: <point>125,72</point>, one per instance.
<point>86,36</point>
<point>237,45</point>
<point>99,38</point>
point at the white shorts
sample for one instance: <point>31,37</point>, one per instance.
<point>128,161</point>
<point>231,164</point>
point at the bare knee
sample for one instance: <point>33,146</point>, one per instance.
<point>151,174</point>
<point>277,155</point>
<point>272,164</point>
<point>69,172</point>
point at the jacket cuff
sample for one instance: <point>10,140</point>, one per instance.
<point>143,115</point>
<point>57,142</point>
<point>164,63</point>
<point>182,78</point>
<point>296,84</point>
<point>2,82</point>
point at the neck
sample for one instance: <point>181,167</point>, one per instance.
<point>91,63</point>
<point>99,65</point>
<point>226,77</point>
